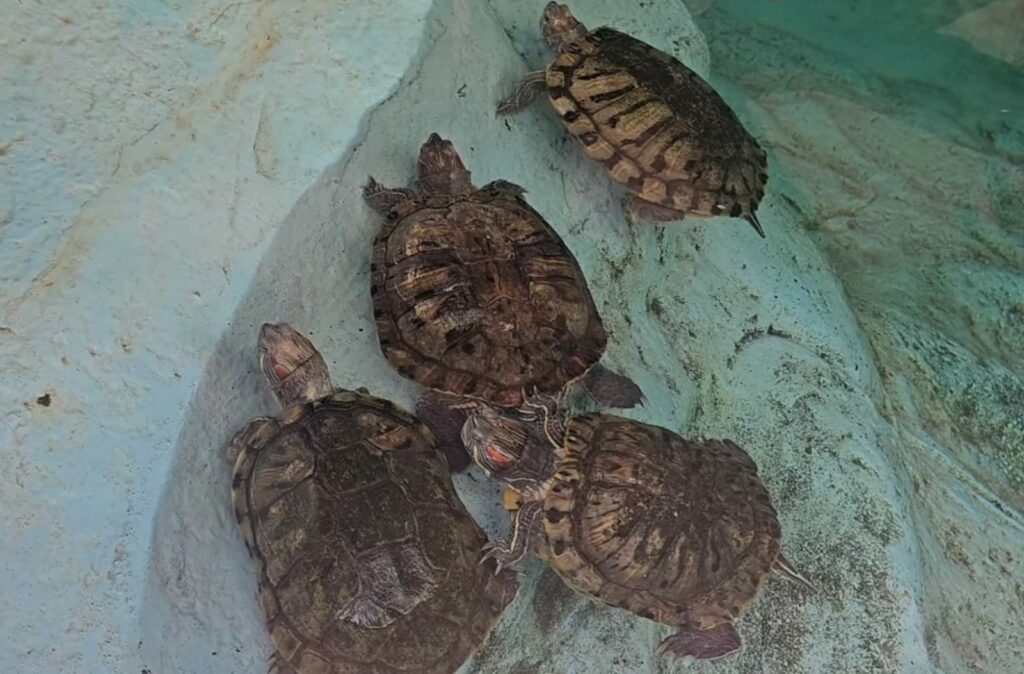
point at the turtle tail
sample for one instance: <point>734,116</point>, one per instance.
<point>755,223</point>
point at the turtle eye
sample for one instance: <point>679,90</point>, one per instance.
<point>497,457</point>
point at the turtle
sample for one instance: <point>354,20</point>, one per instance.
<point>654,124</point>
<point>368,561</point>
<point>475,296</point>
<point>682,532</point>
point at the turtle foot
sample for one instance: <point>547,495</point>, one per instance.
<point>503,556</point>
<point>711,644</point>
<point>526,527</point>
<point>383,199</point>
<point>610,389</point>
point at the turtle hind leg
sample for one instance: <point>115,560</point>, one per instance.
<point>445,421</point>
<point>711,644</point>
<point>610,389</point>
<point>529,90</point>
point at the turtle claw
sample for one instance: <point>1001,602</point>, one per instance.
<point>526,410</point>
<point>500,553</point>
<point>542,401</point>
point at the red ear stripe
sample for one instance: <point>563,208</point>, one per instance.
<point>497,457</point>
<point>280,369</point>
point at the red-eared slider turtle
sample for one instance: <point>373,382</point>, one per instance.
<point>636,516</point>
<point>368,561</point>
<point>476,296</point>
<point>655,125</point>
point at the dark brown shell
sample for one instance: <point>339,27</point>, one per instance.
<point>657,126</point>
<point>638,517</point>
<point>476,295</point>
<point>368,561</point>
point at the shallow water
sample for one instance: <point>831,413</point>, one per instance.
<point>868,353</point>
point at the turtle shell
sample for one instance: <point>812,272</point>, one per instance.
<point>656,126</point>
<point>368,561</point>
<point>476,295</point>
<point>676,531</point>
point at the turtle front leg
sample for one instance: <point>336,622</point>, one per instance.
<point>711,644</point>
<point>255,435</point>
<point>526,526</point>
<point>383,199</point>
<point>549,409</point>
<point>505,186</point>
<point>530,89</point>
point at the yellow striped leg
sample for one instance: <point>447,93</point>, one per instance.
<point>525,527</point>
<point>530,89</point>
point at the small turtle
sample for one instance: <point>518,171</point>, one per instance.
<point>476,296</point>
<point>635,516</point>
<point>655,125</point>
<point>368,562</point>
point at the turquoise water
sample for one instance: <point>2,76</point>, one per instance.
<point>913,114</point>
<point>923,219</point>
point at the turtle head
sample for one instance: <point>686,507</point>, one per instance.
<point>291,364</point>
<point>441,170</point>
<point>559,27</point>
<point>496,441</point>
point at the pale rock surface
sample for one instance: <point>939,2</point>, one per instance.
<point>997,29</point>
<point>151,150</point>
<point>905,165</point>
<point>215,187</point>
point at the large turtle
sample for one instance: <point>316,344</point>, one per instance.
<point>635,516</point>
<point>655,125</point>
<point>368,562</point>
<point>476,296</point>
